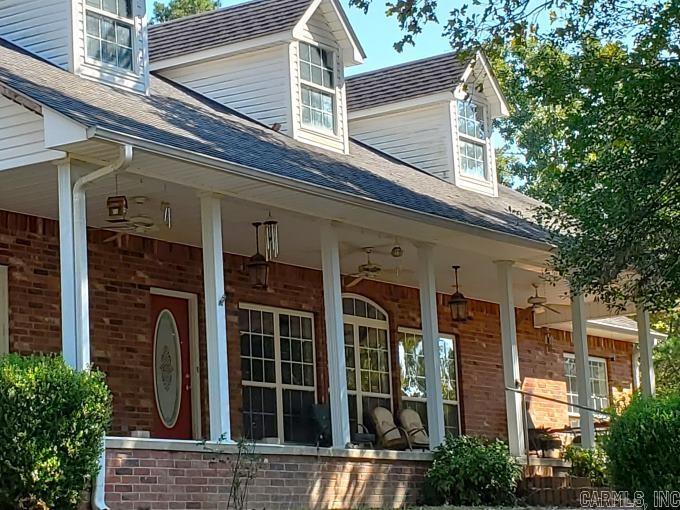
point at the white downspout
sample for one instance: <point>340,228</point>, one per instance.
<point>82,295</point>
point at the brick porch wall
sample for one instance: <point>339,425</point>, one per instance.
<point>120,282</point>
<point>151,480</point>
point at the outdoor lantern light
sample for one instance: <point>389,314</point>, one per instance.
<point>257,265</point>
<point>458,304</point>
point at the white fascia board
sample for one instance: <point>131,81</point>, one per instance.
<point>61,131</point>
<point>612,332</point>
<point>594,310</point>
<point>398,106</point>
<point>351,41</point>
<point>221,51</point>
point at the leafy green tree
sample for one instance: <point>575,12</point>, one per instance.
<point>593,86</point>
<point>667,353</point>
<point>181,8</point>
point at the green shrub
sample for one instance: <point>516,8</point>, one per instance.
<point>587,463</point>
<point>471,471</point>
<point>52,422</point>
<point>643,446</point>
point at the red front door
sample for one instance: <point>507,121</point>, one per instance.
<point>171,367</point>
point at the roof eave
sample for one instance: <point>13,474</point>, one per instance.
<point>299,185</point>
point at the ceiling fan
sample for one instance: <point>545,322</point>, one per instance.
<point>139,223</point>
<point>539,304</point>
<point>367,270</point>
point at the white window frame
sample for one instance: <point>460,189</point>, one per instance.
<point>120,19</point>
<point>320,88</point>
<point>4,310</point>
<point>412,331</point>
<point>357,321</point>
<point>485,142</point>
<point>278,384</point>
<point>591,397</point>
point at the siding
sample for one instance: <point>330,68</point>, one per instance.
<point>255,83</point>
<point>421,137</point>
<point>40,26</point>
<point>317,30</point>
<point>22,140</point>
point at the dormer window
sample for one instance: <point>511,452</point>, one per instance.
<point>317,87</point>
<point>473,140</point>
<point>109,29</point>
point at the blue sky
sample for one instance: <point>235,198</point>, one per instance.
<point>377,33</point>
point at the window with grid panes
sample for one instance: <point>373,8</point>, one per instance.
<point>413,390</point>
<point>367,358</point>
<point>317,88</point>
<point>278,374</point>
<point>597,379</point>
<point>108,32</point>
<point>472,139</point>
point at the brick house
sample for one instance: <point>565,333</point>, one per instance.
<point>134,162</point>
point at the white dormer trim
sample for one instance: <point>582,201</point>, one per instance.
<point>497,104</point>
<point>353,53</point>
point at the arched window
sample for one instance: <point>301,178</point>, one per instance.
<point>367,356</point>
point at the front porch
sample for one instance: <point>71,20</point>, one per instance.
<point>254,359</point>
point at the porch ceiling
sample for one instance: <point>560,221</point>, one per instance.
<point>33,190</point>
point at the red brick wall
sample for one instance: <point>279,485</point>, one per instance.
<point>151,480</point>
<point>121,277</point>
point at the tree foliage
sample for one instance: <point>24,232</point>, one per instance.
<point>594,98</point>
<point>667,353</point>
<point>180,8</point>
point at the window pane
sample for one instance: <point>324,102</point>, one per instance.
<point>259,412</point>
<point>110,6</point>
<point>94,48</point>
<point>125,8</point>
<point>125,58</point>
<point>94,3</point>
<point>124,36</point>
<point>108,30</point>
<point>472,159</point>
<point>92,25</point>
<point>297,424</point>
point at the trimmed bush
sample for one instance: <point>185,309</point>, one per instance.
<point>643,446</point>
<point>587,463</point>
<point>471,471</point>
<point>52,423</point>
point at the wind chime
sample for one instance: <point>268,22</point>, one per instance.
<point>258,264</point>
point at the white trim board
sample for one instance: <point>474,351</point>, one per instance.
<point>4,310</point>
<point>192,304</point>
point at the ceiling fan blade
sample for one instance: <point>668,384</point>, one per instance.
<point>355,281</point>
<point>548,307</point>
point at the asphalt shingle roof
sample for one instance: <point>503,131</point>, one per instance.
<point>404,81</point>
<point>176,117</point>
<point>228,25</point>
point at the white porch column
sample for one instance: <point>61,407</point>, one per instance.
<point>580,339</point>
<point>215,318</point>
<point>647,380</point>
<point>67,264</point>
<point>430,327</point>
<point>335,335</point>
<point>81,281</point>
<point>511,376</point>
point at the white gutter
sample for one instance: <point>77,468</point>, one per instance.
<point>82,296</point>
<point>321,191</point>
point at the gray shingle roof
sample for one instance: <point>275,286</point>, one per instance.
<point>176,117</point>
<point>228,25</point>
<point>405,81</point>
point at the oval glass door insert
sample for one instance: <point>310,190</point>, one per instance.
<point>167,368</point>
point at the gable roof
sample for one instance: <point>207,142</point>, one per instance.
<point>227,25</point>
<point>419,78</point>
<point>176,118</point>
<point>234,24</point>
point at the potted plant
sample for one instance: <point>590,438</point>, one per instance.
<point>551,445</point>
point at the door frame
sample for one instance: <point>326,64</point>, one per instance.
<point>4,310</point>
<point>194,356</point>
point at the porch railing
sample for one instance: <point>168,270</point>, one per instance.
<point>525,411</point>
